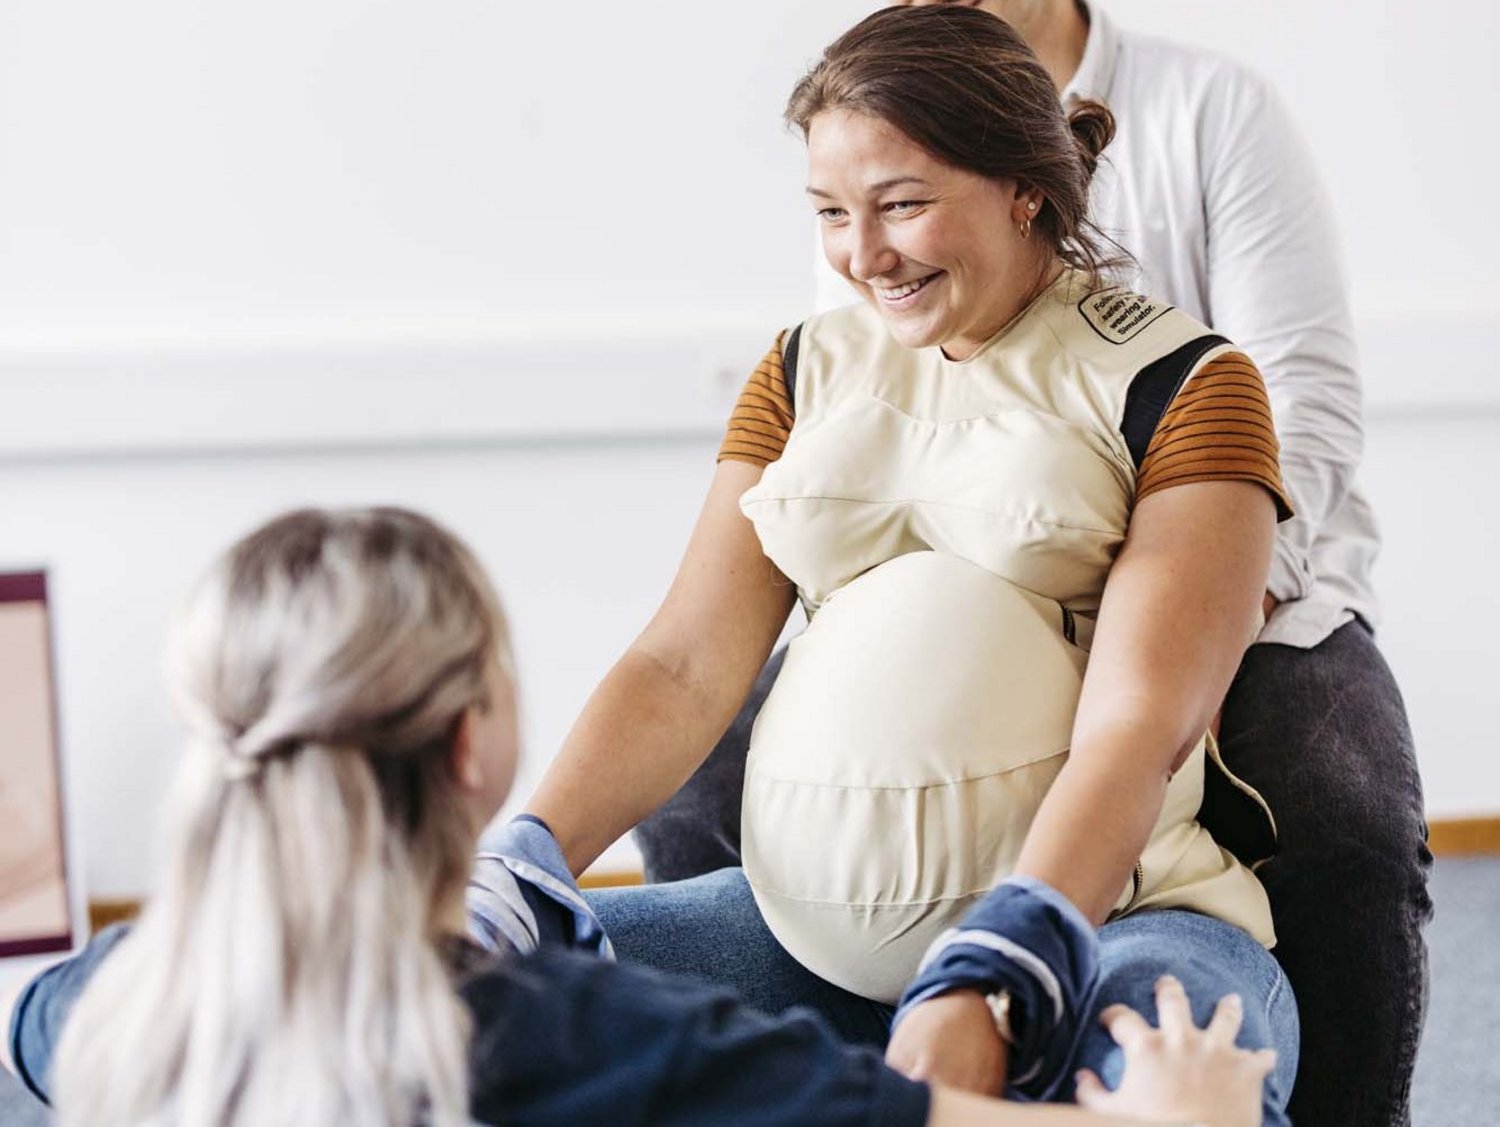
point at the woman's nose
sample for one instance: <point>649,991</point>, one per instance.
<point>870,253</point>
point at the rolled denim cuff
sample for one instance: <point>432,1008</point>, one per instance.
<point>521,894</point>
<point>1027,939</point>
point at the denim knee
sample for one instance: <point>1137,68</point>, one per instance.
<point>1211,959</point>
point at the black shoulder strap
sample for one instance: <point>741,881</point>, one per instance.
<point>789,364</point>
<point>1153,389</point>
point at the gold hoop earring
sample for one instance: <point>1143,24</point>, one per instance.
<point>1026,228</point>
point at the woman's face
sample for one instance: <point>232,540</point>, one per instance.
<point>937,250</point>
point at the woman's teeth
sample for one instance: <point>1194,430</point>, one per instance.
<point>896,293</point>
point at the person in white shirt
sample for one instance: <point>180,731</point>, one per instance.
<point>1212,191</point>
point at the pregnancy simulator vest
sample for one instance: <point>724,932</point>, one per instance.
<point>949,527</point>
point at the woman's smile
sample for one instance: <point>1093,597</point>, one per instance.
<point>906,295</point>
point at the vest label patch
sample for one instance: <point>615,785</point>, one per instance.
<point>1119,315</point>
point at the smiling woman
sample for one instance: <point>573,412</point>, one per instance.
<point>995,484</point>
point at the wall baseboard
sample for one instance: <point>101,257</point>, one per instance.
<point>106,910</point>
<point>1448,837</point>
<point>1459,837</point>
<point>612,878</point>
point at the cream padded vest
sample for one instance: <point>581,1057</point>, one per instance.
<point>950,527</point>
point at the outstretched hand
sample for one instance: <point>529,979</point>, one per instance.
<point>1178,1072</point>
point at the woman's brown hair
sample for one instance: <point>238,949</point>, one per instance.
<point>963,85</point>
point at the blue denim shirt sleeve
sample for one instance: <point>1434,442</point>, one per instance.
<point>37,1021</point>
<point>521,895</point>
<point>1027,939</point>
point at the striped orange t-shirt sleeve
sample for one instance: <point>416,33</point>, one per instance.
<point>1218,428</point>
<point>762,419</point>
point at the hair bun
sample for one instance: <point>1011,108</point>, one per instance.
<point>1093,129</point>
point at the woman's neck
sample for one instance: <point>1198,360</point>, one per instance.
<point>1058,32</point>
<point>1048,270</point>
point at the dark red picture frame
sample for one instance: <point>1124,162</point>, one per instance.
<point>31,587</point>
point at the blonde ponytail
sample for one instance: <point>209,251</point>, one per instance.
<point>288,972</point>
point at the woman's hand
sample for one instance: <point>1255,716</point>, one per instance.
<point>1179,1073</point>
<point>951,1040</point>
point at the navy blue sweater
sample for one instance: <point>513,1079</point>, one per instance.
<point>563,1037</point>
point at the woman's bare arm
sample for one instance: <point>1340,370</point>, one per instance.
<point>1180,606</point>
<point>657,713</point>
<point>953,1108</point>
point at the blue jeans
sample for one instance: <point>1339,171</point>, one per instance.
<point>1322,734</point>
<point>709,928</point>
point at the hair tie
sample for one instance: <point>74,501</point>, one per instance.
<point>239,767</point>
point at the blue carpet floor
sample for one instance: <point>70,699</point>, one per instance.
<point>1458,1068</point>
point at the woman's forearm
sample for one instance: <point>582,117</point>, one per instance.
<point>1182,603</point>
<point>644,731</point>
<point>1096,820</point>
<point>953,1108</point>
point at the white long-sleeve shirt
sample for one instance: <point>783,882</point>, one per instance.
<point>1211,188</point>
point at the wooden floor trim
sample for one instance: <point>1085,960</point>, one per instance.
<point>617,878</point>
<point>104,911</point>
<point>1464,837</point>
<point>1449,837</point>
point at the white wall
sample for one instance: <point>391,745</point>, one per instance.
<point>581,538</point>
<point>179,168</point>
<point>1398,101</point>
<point>509,262</point>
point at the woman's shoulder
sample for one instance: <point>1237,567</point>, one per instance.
<point>1114,326</point>
<point>1131,346</point>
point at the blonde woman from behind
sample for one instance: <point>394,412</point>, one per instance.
<point>286,971</point>
<point>345,680</point>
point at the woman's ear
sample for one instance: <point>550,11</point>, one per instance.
<point>467,766</point>
<point>1026,202</point>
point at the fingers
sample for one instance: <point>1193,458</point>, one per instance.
<point>1229,1014</point>
<point>1090,1092</point>
<point>1125,1025</point>
<point>1264,1061</point>
<point>1173,1014</point>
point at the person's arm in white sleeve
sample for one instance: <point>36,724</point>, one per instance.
<point>1276,288</point>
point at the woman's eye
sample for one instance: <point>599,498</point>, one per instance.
<point>830,214</point>
<point>900,207</point>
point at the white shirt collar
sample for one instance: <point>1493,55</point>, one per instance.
<point>1096,70</point>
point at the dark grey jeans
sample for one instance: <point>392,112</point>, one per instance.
<point>1322,734</point>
